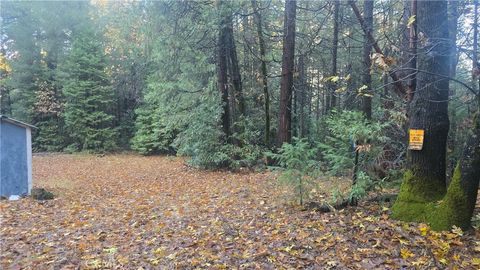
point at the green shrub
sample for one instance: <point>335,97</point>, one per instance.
<point>296,160</point>
<point>344,129</point>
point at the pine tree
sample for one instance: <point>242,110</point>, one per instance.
<point>89,95</point>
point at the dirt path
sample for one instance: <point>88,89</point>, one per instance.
<point>128,212</point>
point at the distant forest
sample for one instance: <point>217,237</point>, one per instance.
<point>225,81</point>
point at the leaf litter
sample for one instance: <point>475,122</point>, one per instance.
<point>133,212</point>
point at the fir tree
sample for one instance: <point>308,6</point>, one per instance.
<point>89,95</point>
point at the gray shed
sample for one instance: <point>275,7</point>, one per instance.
<point>15,157</point>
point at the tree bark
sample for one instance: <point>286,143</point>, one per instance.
<point>424,181</point>
<point>236,77</point>
<point>452,32</point>
<point>456,208</point>
<point>475,68</point>
<point>367,48</point>
<point>264,74</point>
<point>285,113</point>
<point>222,77</point>
<point>332,99</point>
<point>302,97</point>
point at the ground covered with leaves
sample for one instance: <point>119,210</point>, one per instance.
<point>132,212</point>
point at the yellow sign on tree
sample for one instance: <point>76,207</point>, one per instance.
<point>416,137</point>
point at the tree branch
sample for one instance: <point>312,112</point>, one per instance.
<point>398,89</point>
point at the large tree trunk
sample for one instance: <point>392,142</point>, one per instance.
<point>367,48</point>
<point>285,113</point>
<point>424,181</point>
<point>222,77</point>
<point>456,208</point>
<point>261,44</point>
<point>235,75</point>
<point>452,31</point>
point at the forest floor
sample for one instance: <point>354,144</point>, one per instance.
<point>133,212</point>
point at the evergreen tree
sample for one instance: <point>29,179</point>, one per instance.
<point>88,95</point>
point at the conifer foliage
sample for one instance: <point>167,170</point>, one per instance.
<point>88,95</point>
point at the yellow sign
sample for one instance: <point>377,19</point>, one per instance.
<point>416,139</point>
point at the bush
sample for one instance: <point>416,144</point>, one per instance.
<point>346,129</point>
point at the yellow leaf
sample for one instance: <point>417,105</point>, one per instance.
<point>405,253</point>
<point>341,89</point>
<point>363,87</point>
<point>476,261</point>
<point>411,20</point>
<point>423,229</point>
<point>122,260</point>
<point>154,261</point>
<point>159,252</point>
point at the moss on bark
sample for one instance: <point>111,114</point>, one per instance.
<point>441,212</point>
<point>416,198</point>
<point>453,209</point>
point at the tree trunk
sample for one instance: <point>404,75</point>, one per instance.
<point>424,181</point>
<point>223,78</point>
<point>452,31</point>
<point>367,48</point>
<point>475,68</point>
<point>458,205</point>
<point>332,99</point>
<point>302,97</point>
<point>412,48</point>
<point>261,44</point>
<point>234,68</point>
<point>285,112</point>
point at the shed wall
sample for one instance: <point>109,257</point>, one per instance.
<point>14,168</point>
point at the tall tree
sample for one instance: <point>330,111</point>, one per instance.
<point>424,180</point>
<point>89,95</point>
<point>222,72</point>
<point>236,77</point>
<point>331,98</point>
<point>263,69</point>
<point>284,133</point>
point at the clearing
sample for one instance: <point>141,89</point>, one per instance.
<point>133,212</point>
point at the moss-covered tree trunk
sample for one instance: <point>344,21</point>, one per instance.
<point>423,196</point>
<point>457,206</point>
<point>424,181</point>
